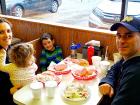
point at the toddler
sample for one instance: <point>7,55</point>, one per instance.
<point>22,67</point>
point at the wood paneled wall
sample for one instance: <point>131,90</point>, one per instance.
<point>29,30</point>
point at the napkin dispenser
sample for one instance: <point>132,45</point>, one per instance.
<point>97,51</point>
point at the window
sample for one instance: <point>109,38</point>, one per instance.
<point>109,12</point>
<point>0,8</point>
<point>133,8</point>
<point>85,13</point>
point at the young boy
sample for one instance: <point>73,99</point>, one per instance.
<point>50,52</point>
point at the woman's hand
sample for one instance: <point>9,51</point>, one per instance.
<point>106,89</point>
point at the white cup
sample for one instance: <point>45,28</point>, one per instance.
<point>50,87</point>
<point>116,57</point>
<point>96,61</point>
<point>36,88</point>
<point>104,66</point>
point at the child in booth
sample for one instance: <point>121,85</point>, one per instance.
<point>22,67</point>
<point>50,52</point>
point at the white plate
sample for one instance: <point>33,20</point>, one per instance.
<point>75,101</point>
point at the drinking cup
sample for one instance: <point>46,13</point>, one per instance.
<point>104,66</point>
<point>36,88</point>
<point>50,87</point>
<point>96,61</point>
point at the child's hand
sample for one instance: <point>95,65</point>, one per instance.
<point>15,88</point>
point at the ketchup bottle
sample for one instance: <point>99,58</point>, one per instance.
<point>90,53</point>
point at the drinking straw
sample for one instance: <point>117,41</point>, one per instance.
<point>106,53</point>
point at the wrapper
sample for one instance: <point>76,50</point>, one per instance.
<point>47,76</point>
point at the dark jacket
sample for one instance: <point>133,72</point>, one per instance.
<point>5,84</point>
<point>125,79</point>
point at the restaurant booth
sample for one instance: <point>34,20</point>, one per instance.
<point>28,30</point>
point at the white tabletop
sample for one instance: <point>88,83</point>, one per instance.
<point>24,95</point>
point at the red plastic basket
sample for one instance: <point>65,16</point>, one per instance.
<point>85,77</point>
<point>61,72</point>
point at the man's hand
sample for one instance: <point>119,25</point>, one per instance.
<point>106,89</point>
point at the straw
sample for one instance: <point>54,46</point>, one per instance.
<point>106,57</point>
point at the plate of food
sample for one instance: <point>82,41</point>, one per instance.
<point>60,68</point>
<point>75,94</point>
<point>86,73</point>
<point>81,62</point>
<point>47,76</point>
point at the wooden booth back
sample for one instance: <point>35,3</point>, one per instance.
<point>30,30</point>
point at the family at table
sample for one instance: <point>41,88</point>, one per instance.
<point>120,86</point>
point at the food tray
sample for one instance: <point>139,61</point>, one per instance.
<point>61,72</point>
<point>60,69</point>
<point>94,74</point>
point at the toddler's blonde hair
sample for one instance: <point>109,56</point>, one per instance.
<point>22,54</point>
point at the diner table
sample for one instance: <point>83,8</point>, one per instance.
<point>24,95</point>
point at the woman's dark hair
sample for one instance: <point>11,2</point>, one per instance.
<point>5,20</point>
<point>46,36</point>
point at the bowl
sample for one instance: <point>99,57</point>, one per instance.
<point>75,94</point>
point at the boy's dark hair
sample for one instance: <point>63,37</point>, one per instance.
<point>46,36</point>
<point>5,20</point>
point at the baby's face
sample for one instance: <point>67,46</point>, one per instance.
<point>48,44</point>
